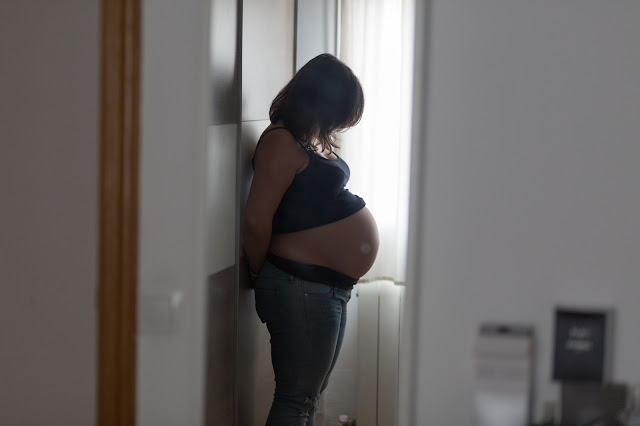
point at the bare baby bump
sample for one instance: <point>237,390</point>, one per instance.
<point>349,245</point>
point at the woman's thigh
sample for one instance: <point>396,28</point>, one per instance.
<point>306,323</point>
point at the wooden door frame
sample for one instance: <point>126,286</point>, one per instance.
<point>118,212</point>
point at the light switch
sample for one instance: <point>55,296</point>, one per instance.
<point>159,312</point>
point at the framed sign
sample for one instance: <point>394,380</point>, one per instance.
<point>582,349</point>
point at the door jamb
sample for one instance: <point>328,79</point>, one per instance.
<point>118,212</point>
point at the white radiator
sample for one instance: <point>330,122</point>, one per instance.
<point>364,383</point>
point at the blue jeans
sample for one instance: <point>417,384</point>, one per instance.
<point>306,321</point>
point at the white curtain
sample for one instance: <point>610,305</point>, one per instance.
<point>376,41</point>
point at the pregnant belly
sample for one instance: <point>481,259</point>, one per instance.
<point>349,245</point>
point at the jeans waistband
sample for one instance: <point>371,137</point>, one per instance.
<point>313,273</point>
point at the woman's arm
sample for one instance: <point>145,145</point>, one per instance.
<point>278,158</point>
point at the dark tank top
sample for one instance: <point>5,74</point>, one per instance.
<point>317,196</point>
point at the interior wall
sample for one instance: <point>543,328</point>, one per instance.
<point>175,114</point>
<point>221,321</point>
<point>531,184</point>
<point>315,29</point>
<point>49,54</point>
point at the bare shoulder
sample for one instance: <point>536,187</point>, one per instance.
<point>279,148</point>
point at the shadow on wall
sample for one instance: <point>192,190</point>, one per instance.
<point>220,361</point>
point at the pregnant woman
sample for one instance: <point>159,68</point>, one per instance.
<point>307,238</point>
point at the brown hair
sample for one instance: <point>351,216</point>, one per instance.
<point>324,97</point>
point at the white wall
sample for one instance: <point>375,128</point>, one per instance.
<point>175,105</point>
<point>49,55</point>
<point>531,188</point>
<point>267,54</point>
<point>315,29</point>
